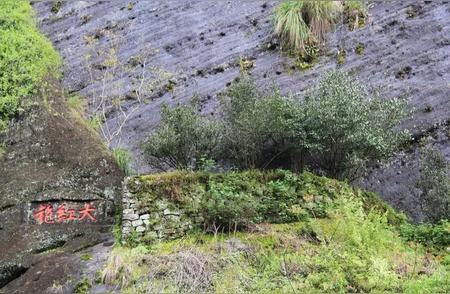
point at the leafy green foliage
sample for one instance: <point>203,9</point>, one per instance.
<point>226,206</point>
<point>336,129</point>
<point>344,126</point>
<point>122,158</point>
<point>182,138</point>
<point>357,248</point>
<point>434,183</point>
<point>430,235</point>
<point>253,125</point>
<point>206,164</point>
<point>86,257</point>
<point>82,286</point>
<point>56,6</point>
<point>360,49</point>
<point>26,57</point>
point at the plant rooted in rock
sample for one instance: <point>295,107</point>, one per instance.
<point>302,24</point>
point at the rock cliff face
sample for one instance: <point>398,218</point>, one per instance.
<point>53,168</point>
<point>146,53</point>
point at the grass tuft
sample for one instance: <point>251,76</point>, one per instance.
<point>291,26</point>
<point>302,23</point>
<point>355,14</point>
<point>122,158</point>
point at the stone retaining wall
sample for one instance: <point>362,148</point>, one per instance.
<point>152,218</point>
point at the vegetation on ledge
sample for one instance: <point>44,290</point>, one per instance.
<point>335,129</point>
<point>26,57</point>
<point>237,200</point>
<point>296,233</point>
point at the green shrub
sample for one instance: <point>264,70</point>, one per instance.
<point>206,165</point>
<point>434,183</point>
<point>26,57</point>
<point>428,234</point>
<point>56,6</point>
<point>343,126</point>
<point>336,129</point>
<point>226,206</point>
<point>252,125</point>
<point>122,158</point>
<point>358,249</point>
<point>182,139</point>
<point>360,49</point>
<point>82,286</point>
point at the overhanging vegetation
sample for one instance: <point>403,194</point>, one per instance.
<point>26,57</point>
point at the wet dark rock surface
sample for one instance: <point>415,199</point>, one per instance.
<point>178,49</point>
<point>51,157</point>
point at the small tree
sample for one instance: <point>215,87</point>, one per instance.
<point>343,126</point>
<point>253,125</point>
<point>182,138</point>
<point>434,183</point>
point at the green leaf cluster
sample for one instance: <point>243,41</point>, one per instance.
<point>335,129</point>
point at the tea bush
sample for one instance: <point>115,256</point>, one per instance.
<point>182,139</point>
<point>434,184</point>
<point>253,125</point>
<point>336,129</point>
<point>343,126</point>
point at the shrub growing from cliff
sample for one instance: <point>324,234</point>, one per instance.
<point>355,14</point>
<point>253,125</point>
<point>303,24</point>
<point>434,184</point>
<point>181,140</point>
<point>26,57</point>
<point>343,126</point>
<point>337,128</point>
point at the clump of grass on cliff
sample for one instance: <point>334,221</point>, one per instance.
<point>26,57</point>
<point>355,14</point>
<point>122,157</point>
<point>302,24</point>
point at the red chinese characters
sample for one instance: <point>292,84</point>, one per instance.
<point>86,211</point>
<point>44,214</point>
<point>47,214</point>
